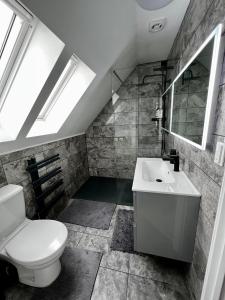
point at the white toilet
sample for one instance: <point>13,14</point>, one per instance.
<point>33,247</point>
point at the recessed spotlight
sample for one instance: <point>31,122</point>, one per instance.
<point>153,4</point>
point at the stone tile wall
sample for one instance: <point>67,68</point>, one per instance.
<point>73,160</point>
<point>201,18</point>
<point>124,130</point>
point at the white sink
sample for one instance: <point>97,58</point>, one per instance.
<point>157,175</point>
<point>165,210</point>
<point>156,171</point>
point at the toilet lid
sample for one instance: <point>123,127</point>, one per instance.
<point>37,241</point>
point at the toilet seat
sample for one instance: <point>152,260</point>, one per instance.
<point>37,243</point>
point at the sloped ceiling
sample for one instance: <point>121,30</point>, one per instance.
<point>105,34</point>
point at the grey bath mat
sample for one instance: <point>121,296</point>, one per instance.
<point>76,280</point>
<point>123,235</point>
<point>88,213</point>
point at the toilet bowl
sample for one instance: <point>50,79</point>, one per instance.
<point>33,247</point>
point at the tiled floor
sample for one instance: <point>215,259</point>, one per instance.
<point>128,276</point>
<point>124,276</point>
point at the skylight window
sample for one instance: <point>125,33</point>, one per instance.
<point>13,31</point>
<point>70,87</point>
<point>28,52</point>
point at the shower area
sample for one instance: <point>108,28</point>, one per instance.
<point>129,126</point>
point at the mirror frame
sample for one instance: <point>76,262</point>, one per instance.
<point>213,87</point>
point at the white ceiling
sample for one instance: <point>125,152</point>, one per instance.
<point>106,35</point>
<point>156,46</point>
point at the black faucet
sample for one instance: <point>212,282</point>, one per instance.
<point>174,158</point>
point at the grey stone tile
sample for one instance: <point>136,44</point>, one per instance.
<point>99,143</point>
<point>146,117</point>
<point>222,79</point>
<point>2,175</point>
<point>103,131</point>
<point>123,106</point>
<point>196,114</point>
<point>15,171</point>
<point>126,142</point>
<point>97,153</point>
<point>148,130</point>
<point>179,115</point>
<point>195,284</point>
<point>180,87</point>
<point>93,171</point>
<point>74,238</point>
<point>197,100</point>
<point>74,227</point>
<point>110,284</point>
<point>151,152</point>
<point>128,92</point>
<point>116,260</point>
<point>126,118</point>
<point>155,268</point>
<point>125,173</point>
<point>107,172</point>
<point>101,163</point>
<point>148,104</point>
<point>209,200</point>
<point>199,262</point>
<point>220,116</point>
<point>180,100</point>
<point>104,120</point>
<point>194,128</point>
<point>180,128</point>
<point>94,243</point>
<point>149,141</point>
<point>146,289</point>
<point>126,130</point>
<point>150,90</point>
<point>204,232</point>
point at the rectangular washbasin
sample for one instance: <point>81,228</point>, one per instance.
<point>156,171</point>
<point>157,176</point>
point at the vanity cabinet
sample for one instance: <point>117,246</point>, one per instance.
<point>165,224</point>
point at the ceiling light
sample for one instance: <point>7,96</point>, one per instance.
<point>153,4</point>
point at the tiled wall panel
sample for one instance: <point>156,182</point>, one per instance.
<point>73,160</point>
<point>124,130</point>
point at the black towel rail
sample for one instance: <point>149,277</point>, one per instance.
<point>41,194</point>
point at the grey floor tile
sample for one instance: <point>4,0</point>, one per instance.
<point>110,284</point>
<point>73,238</point>
<point>94,243</point>
<point>75,227</point>
<point>104,233</point>
<point>146,289</point>
<point>116,260</point>
<point>157,268</point>
<point>76,280</point>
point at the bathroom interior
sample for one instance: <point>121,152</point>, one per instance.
<point>112,148</point>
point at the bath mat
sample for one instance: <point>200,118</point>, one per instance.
<point>123,235</point>
<point>88,213</point>
<point>76,280</point>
